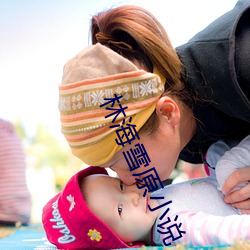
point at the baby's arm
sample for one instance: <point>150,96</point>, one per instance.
<point>206,229</point>
<point>233,159</point>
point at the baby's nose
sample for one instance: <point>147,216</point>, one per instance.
<point>133,197</point>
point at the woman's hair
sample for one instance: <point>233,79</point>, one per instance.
<point>137,35</point>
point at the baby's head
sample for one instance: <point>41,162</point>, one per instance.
<point>95,211</point>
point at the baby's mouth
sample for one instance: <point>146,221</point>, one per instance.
<point>146,209</point>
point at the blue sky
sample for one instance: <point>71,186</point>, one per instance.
<point>38,37</point>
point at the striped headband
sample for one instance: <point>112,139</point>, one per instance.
<point>94,74</point>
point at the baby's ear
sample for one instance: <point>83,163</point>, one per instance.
<point>168,109</point>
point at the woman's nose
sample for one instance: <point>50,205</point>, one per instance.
<point>129,180</point>
<point>126,177</point>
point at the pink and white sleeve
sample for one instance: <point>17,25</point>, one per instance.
<point>235,158</point>
<point>205,229</point>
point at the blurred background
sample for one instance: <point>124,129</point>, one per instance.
<point>36,39</point>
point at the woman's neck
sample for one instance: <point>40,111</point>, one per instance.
<point>187,125</point>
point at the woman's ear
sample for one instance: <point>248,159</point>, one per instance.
<point>168,109</point>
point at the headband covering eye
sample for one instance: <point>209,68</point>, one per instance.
<point>94,74</point>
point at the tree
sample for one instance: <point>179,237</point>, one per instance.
<point>45,150</point>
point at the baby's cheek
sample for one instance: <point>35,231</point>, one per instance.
<point>153,204</point>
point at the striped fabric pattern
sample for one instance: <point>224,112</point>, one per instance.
<point>82,119</point>
<point>15,200</point>
<point>95,74</point>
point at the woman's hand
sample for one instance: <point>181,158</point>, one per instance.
<point>240,198</point>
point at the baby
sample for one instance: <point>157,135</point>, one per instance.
<point>96,211</point>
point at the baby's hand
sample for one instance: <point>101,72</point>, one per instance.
<point>240,198</point>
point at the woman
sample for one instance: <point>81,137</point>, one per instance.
<point>206,95</point>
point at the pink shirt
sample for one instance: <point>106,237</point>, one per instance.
<point>15,200</point>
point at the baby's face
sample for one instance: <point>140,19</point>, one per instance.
<point>123,208</point>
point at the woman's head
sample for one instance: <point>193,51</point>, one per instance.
<point>138,41</point>
<point>137,35</point>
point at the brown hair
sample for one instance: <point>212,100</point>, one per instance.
<point>136,34</point>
